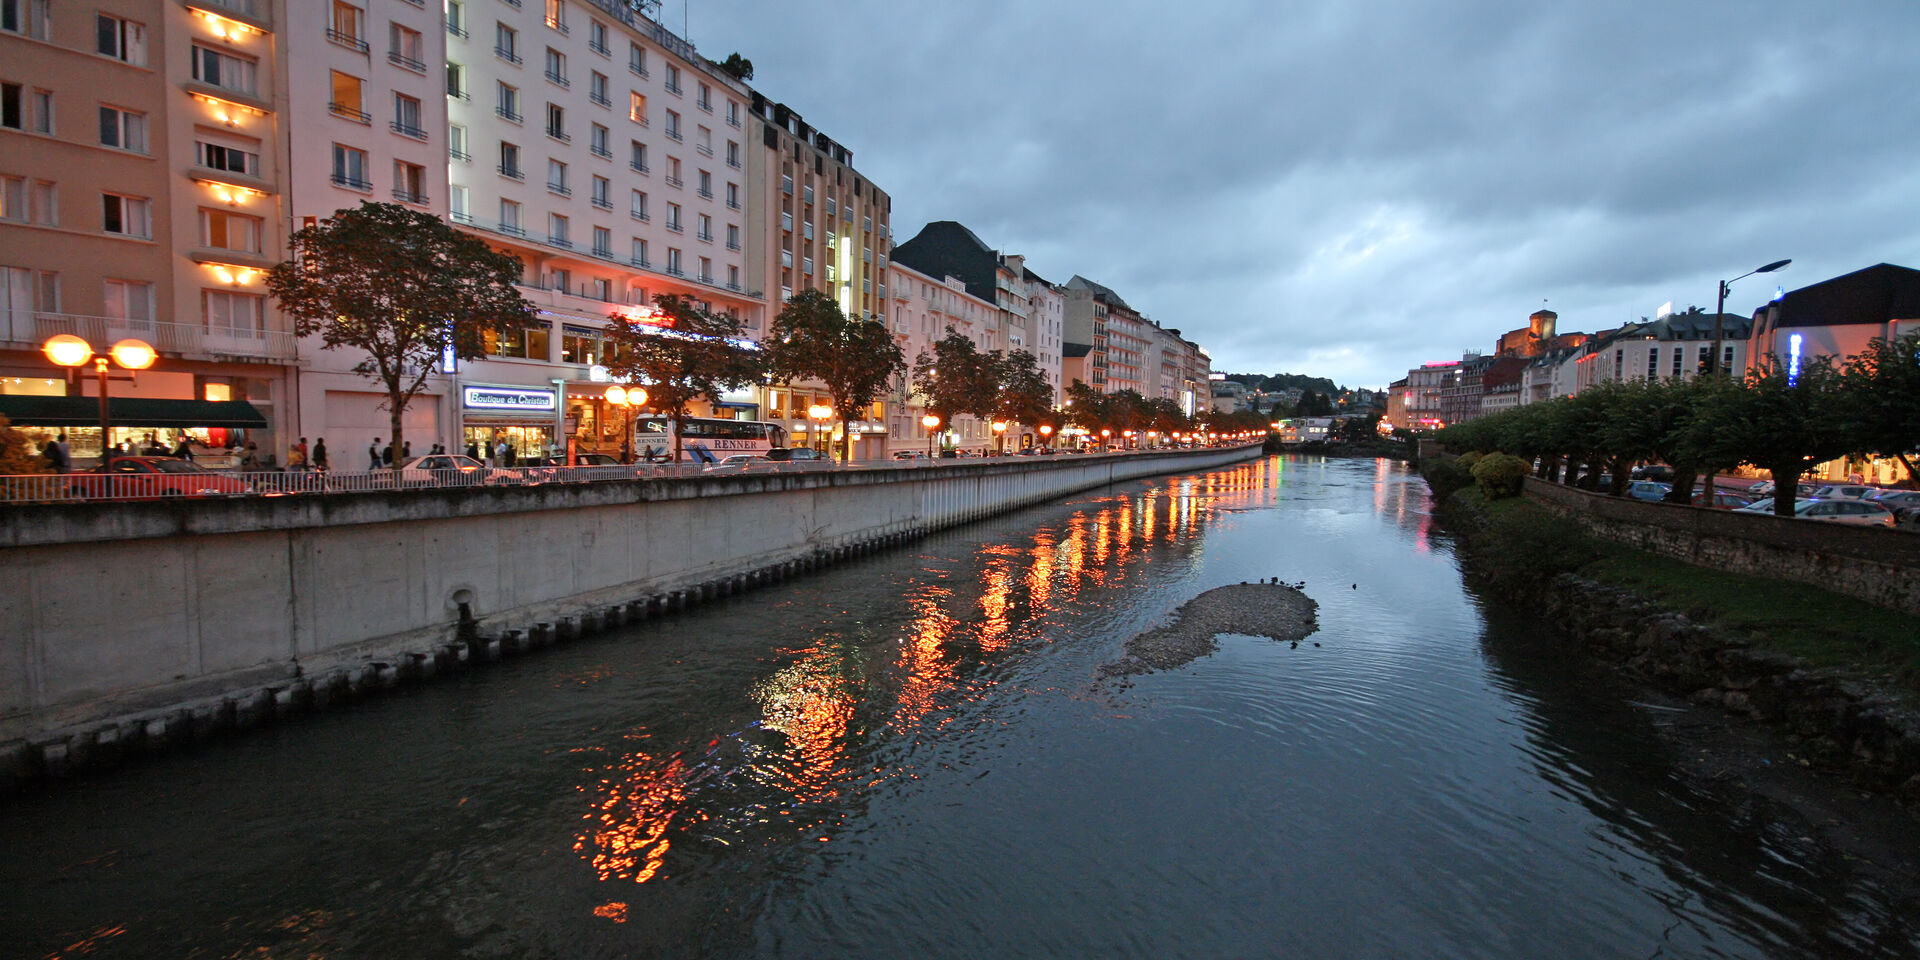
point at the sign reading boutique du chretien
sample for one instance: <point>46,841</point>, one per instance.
<point>507,398</point>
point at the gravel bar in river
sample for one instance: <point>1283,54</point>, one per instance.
<point>1275,610</point>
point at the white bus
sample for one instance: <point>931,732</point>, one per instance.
<point>704,439</point>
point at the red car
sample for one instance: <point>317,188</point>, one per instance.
<point>152,478</point>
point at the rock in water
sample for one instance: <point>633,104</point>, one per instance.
<point>1278,611</point>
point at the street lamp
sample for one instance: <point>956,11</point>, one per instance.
<point>930,422</point>
<point>1713,362</point>
<point>1046,435</point>
<point>1105,436</point>
<point>1000,436</point>
<point>819,413</point>
<point>628,398</point>
<point>70,351</point>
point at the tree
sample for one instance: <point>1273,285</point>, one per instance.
<point>1786,422</point>
<point>18,455</point>
<point>1882,384</point>
<point>855,359</point>
<point>1087,408</point>
<point>691,353</point>
<point>402,285</point>
<point>739,66</point>
<point>955,378</point>
<point>1024,395</point>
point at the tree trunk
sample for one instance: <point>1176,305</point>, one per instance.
<point>1618,467</point>
<point>398,413</point>
<point>1682,491</point>
<point>1786,490</point>
<point>1913,476</point>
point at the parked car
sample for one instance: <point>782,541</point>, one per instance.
<point>152,478</point>
<point>1722,500</point>
<point>735,463</point>
<point>451,470</point>
<point>1860,512</point>
<point>792,454</point>
<point>909,455</point>
<point>1653,471</point>
<point>1845,491</point>
<point>1762,505</point>
<point>1905,504</point>
<point>579,460</point>
<point>1648,490</point>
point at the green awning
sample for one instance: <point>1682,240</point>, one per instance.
<point>129,412</point>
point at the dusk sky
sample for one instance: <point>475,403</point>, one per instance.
<point>1348,189</point>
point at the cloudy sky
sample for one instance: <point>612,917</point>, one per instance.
<point>1348,188</point>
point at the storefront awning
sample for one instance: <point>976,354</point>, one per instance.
<point>129,412</point>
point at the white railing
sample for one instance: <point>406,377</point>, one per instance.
<point>166,336</point>
<point>89,486</point>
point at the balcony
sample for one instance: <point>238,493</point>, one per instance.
<point>733,204</point>
<point>674,270</point>
<point>638,70</point>
<point>673,134</point>
<point>511,172</point>
<point>733,162</point>
<point>704,104</point>
<point>458,94</point>
<point>559,188</point>
<point>641,262</point>
<point>601,152</point>
<point>603,253</point>
<point>705,193</point>
<point>600,99</point>
<point>639,167</point>
<point>406,129</point>
<point>557,25</point>
<point>733,244</point>
<point>561,242</point>
<point>640,215</point>
<point>461,216</point>
<point>176,339</point>
<point>673,88</point>
<point>353,113</point>
<point>602,203</point>
<point>455,29</point>
<point>675,182</point>
<point>507,55</point>
<point>674,225</point>
<point>703,150</point>
<point>508,114</point>
<point>347,40</point>
<point>599,48</point>
<point>555,78</point>
<point>460,155</point>
<point>559,135</point>
<point>706,236</point>
<point>399,59</point>
<point>512,229</point>
<point>351,182</point>
<point>409,196</point>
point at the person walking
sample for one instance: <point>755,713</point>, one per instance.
<point>183,449</point>
<point>251,461</point>
<point>386,454</point>
<point>406,449</point>
<point>473,449</point>
<point>56,457</point>
<point>298,458</point>
<point>373,455</point>
<point>320,454</point>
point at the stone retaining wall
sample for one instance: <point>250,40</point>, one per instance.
<point>1880,565</point>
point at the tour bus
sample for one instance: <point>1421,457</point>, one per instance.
<point>703,439</point>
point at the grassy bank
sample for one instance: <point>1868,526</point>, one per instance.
<point>1516,545</point>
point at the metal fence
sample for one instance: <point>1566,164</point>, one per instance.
<point>70,487</point>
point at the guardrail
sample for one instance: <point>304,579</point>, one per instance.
<point>88,486</point>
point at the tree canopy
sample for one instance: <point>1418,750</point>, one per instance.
<point>955,379</point>
<point>856,360</point>
<point>689,353</point>
<point>401,285</point>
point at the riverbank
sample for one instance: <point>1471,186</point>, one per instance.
<point>1832,679</point>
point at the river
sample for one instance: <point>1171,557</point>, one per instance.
<point>915,755</point>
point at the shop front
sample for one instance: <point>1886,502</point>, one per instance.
<point>522,417</point>
<point>216,433</point>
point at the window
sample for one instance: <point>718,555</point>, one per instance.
<point>638,209</point>
<point>456,80</point>
<point>509,107</point>
<point>510,217</point>
<point>601,188</point>
<point>639,251</point>
<point>404,48</point>
<point>637,58</point>
<point>222,70</point>
<point>705,224</point>
<point>406,117</point>
<point>733,196</point>
<point>733,154</point>
<point>348,93</point>
<point>13,113</point>
<point>557,15</point>
<point>597,37</point>
<point>733,113</point>
<point>831,209</point>
<point>806,229</point>
<point>786,221</point>
<point>557,67</point>
<point>673,216</point>
<point>526,342</point>
<point>557,122</point>
<point>1679,357</point>
<point>806,194</point>
<point>128,299</point>
<point>602,242</point>
<point>506,43</point>
<point>457,201</point>
<point>42,110</point>
<point>673,78</point>
<point>673,171</point>
<point>13,198</point>
<point>806,265</point>
<point>228,157</point>
<point>1653,363</point>
<point>123,129</point>
<point>120,39</point>
<point>597,88</point>
<point>706,184</point>
<point>350,167</point>
<point>28,17</point>
<point>733,236</point>
<point>127,216</point>
<point>673,261</point>
<point>705,99</point>
<point>557,177</point>
<point>457,18</point>
<point>597,141</point>
<point>557,226</point>
<point>703,141</point>
<point>231,314</point>
<point>409,182</point>
<point>457,142</point>
<point>510,160</point>
<point>706,270</point>
<point>733,278</point>
<point>46,203</point>
<point>786,259</point>
<point>223,230</point>
<point>347,21</point>
<point>637,108</point>
<point>638,160</point>
<point>673,125</point>
<point>786,187</point>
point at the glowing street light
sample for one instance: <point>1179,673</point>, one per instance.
<point>1000,436</point>
<point>820,413</point>
<point>627,398</point>
<point>932,423</point>
<point>72,352</point>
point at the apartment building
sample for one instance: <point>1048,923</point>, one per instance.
<point>924,308</point>
<point>602,150</point>
<point>142,185</point>
<point>1115,335</point>
<point>369,92</point>
<point>1046,314</point>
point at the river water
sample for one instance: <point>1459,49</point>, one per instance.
<point>915,756</point>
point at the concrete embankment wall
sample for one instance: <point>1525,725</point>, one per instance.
<point>1880,565</point>
<point>129,610</point>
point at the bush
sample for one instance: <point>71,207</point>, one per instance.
<point>1467,460</point>
<point>1500,475</point>
<point>1519,551</point>
<point>1445,477</point>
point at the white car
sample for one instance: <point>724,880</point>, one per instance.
<point>735,463</point>
<point>450,470</point>
<point>1860,512</point>
<point>1845,491</point>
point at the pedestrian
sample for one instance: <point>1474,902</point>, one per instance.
<point>320,454</point>
<point>182,449</point>
<point>373,455</point>
<point>386,454</point>
<point>473,449</point>
<point>500,451</point>
<point>406,449</point>
<point>251,461</point>
<point>56,457</point>
<point>300,456</point>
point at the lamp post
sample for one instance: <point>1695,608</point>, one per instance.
<point>1000,436</point>
<point>931,422</point>
<point>1713,361</point>
<point>1106,436</point>
<point>1046,436</point>
<point>627,398</point>
<point>819,413</point>
<point>69,351</point>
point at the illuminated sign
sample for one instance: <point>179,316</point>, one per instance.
<point>506,398</point>
<point>1793,359</point>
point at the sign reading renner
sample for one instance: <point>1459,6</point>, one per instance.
<point>506,398</point>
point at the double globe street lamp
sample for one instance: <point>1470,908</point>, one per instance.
<point>627,398</point>
<point>72,352</point>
